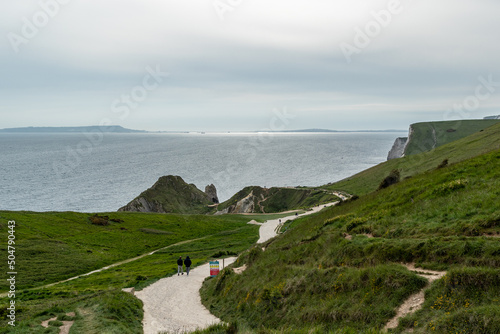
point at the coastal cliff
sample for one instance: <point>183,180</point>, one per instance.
<point>398,148</point>
<point>426,136</point>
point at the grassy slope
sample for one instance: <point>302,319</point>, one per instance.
<point>428,135</point>
<point>474,145</point>
<point>312,277</point>
<point>55,246</point>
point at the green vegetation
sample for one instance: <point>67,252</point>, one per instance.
<point>429,135</point>
<point>313,277</point>
<point>368,180</point>
<point>112,311</point>
<point>52,247</point>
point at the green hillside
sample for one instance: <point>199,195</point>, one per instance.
<point>429,135</point>
<point>341,270</point>
<point>368,180</point>
<point>56,246</point>
<point>171,194</point>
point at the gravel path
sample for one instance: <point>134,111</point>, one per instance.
<point>173,304</point>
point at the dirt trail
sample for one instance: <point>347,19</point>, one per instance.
<point>267,230</point>
<point>173,304</point>
<point>415,301</point>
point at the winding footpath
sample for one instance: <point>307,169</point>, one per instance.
<point>415,301</point>
<point>173,304</point>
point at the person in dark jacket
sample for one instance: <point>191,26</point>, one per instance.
<point>179,266</point>
<point>187,262</point>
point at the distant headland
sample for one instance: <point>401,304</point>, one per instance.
<point>72,129</point>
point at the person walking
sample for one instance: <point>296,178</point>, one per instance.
<point>179,266</point>
<point>187,262</point>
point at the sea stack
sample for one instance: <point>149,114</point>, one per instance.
<point>211,192</point>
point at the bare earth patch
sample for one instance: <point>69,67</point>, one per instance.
<point>65,328</point>
<point>414,302</point>
<point>45,324</point>
<point>349,237</point>
<point>491,235</point>
<point>254,222</point>
<point>240,269</point>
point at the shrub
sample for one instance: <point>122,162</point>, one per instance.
<point>99,220</point>
<point>55,323</point>
<point>393,178</point>
<point>223,277</point>
<point>223,253</point>
<point>443,164</point>
<point>355,223</point>
<point>254,254</point>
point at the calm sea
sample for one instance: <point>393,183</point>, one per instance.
<point>98,173</point>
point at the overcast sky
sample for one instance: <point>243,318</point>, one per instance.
<point>337,64</point>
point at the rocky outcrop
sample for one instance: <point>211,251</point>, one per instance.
<point>211,192</point>
<point>244,205</point>
<point>269,200</point>
<point>397,150</point>
<point>141,204</point>
<point>170,194</point>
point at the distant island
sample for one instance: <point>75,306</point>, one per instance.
<point>120,129</point>
<point>72,129</point>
